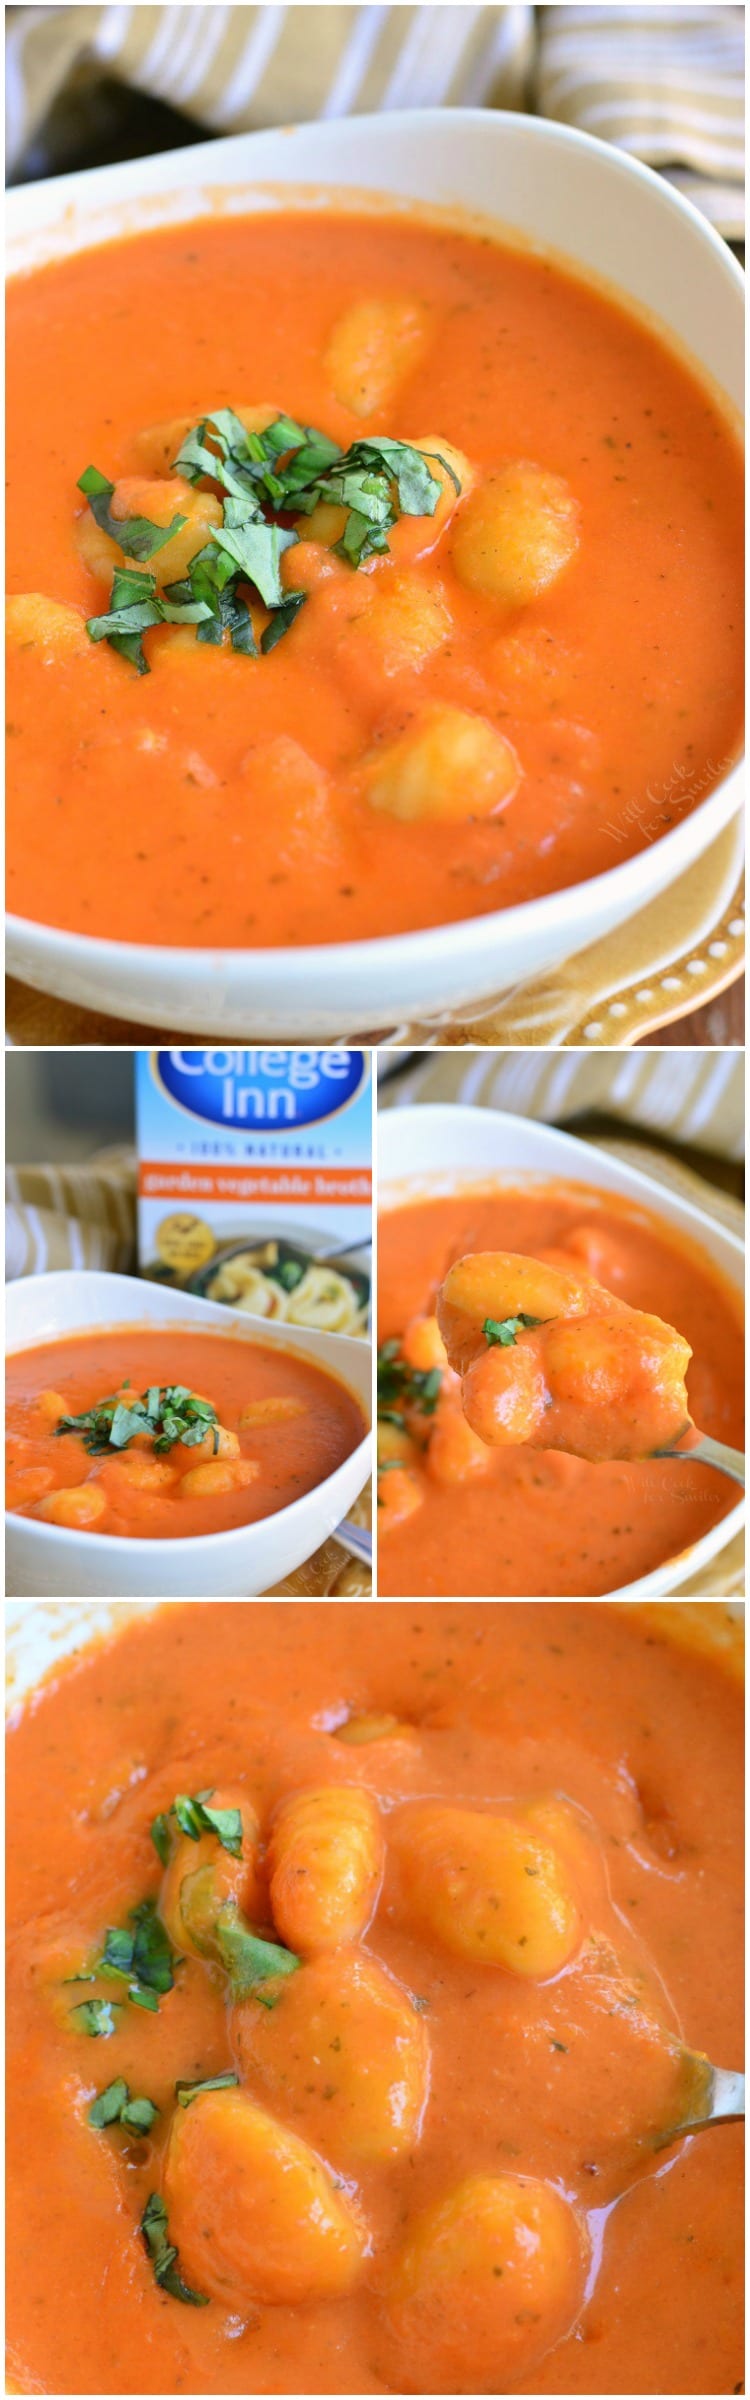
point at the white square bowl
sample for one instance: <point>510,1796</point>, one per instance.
<point>537,184</point>
<point>42,1559</point>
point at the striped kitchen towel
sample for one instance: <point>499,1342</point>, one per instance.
<point>664,83</point>
<point>667,84</point>
<point>693,1098</point>
<point>79,1216</point>
<point>238,68</point>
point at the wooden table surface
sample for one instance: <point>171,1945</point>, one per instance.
<point>718,1026</point>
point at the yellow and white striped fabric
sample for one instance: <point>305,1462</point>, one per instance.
<point>233,68</point>
<point>694,1098</point>
<point>664,83</point>
<point>81,1216</point>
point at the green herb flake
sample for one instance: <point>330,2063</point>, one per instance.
<point>162,1839</point>
<point>186,2092</point>
<point>250,1961</point>
<point>166,1414</point>
<point>154,2227</point>
<point>506,1333</point>
<point>115,2107</point>
<point>95,2017</point>
<point>195,1818</point>
<point>401,1386</point>
<point>264,478</point>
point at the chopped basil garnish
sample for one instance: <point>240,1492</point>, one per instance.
<point>95,2017</point>
<point>115,2107</point>
<point>167,1413</point>
<point>506,1332</point>
<point>400,1385</point>
<point>142,1954</point>
<point>194,1818</point>
<point>135,535</point>
<point>185,2092</point>
<point>163,2255</point>
<point>248,1959</point>
<point>286,470</point>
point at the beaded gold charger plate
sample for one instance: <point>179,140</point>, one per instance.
<point>672,957</point>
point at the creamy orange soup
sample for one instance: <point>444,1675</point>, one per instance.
<point>164,1432</point>
<point>536,676</point>
<point>459,1515</point>
<point>404,2023</point>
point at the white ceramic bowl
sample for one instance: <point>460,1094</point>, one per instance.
<point>42,1559</point>
<point>423,1152</point>
<point>540,184</point>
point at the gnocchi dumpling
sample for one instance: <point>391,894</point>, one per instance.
<point>516,533</point>
<point>403,626</point>
<point>490,1886</point>
<point>401,1492</point>
<point>49,627</point>
<point>325,1863</point>
<point>253,2211</point>
<point>80,1506</point>
<point>448,766</point>
<point>345,2049</point>
<point>501,1284</point>
<point>372,349</point>
<point>159,501</point>
<point>414,537</point>
<point>486,2281</point>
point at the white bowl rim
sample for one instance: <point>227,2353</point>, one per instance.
<point>143,1546</point>
<point>716,1536</point>
<point>384,951</point>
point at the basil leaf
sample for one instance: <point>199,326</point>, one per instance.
<point>185,2092</point>
<point>195,1818</point>
<point>115,2107</point>
<point>248,1959</point>
<point>275,630</point>
<point>136,536</point>
<point>154,2227</point>
<point>256,551</point>
<point>153,1957</point>
<point>506,1332</point>
<point>107,2107</point>
<point>95,2017</point>
<point>162,1839</point>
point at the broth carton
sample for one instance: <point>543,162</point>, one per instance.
<point>255,1180</point>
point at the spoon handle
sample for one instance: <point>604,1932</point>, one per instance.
<point>718,1454</point>
<point>722,2098</point>
<point>717,2095</point>
<point>701,1446</point>
<point>355,1539</point>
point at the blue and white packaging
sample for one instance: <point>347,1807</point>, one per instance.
<point>255,1179</point>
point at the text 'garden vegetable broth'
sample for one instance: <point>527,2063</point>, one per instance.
<point>254,1180</point>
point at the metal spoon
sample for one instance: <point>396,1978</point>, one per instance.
<point>715,2097</point>
<point>706,1452</point>
<point>355,1539</point>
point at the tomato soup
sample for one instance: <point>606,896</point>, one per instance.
<point>458,1516</point>
<point>488,688</point>
<point>167,1432</point>
<point>481,1869</point>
